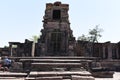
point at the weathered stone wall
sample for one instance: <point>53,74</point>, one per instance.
<point>105,50</point>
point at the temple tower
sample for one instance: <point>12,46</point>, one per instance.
<point>56,38</point>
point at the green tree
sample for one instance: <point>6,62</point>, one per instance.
<point>93,35</point>
<point>35,38</point>
<point>83,38</point>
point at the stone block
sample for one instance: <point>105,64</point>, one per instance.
<point>116,75</point>
<point>58,73</point>
<point>50,78</point>
<point>46,78</point>
<point>16,66</point>
<point>12,74</point>
<point>76,77</point>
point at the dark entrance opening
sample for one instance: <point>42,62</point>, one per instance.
<point>56,39</point>
<point>106,53</point>
<point>56,14</point>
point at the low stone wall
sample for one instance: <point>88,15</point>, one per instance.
<point>107,65</point>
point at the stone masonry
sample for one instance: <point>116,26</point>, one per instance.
<point>56,38</point>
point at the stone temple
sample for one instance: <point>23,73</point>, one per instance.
<point>57,38</point>
<point>57,53</point>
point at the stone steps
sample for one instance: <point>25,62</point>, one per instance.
<point>50,66</point>
<point>53,68</point>
<point>48,75</point>
<point>45,78</point>
<point>51,57</point>
<point>59,73</point>
<point>12,74</point>
<point>12,78</point>
<point>76,77</point>
<point>50,63</point>
<point>56,60</point>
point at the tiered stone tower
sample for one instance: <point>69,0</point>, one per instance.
<point>56,38</point>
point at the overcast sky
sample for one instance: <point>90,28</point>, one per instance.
<point>21,19</point>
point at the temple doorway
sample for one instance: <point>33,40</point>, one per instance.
<point>56,39</point>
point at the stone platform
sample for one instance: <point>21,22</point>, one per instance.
<point>49,75</point>
<point>49,68</point>
<point>50,63</point>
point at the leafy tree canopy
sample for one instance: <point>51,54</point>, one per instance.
<point>35,38</point>
<point>93,35</point>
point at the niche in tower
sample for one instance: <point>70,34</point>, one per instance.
<point>56,14</point>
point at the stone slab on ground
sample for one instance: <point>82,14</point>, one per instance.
<point>52,65</point>
<point>76,77</point>
<point>11,78</point>
<point>59,73</point>
<point>56,60</point>
<point>46,78</point>
<point>116,75</point>
<point>105,79</point>
<point>12,74</point>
